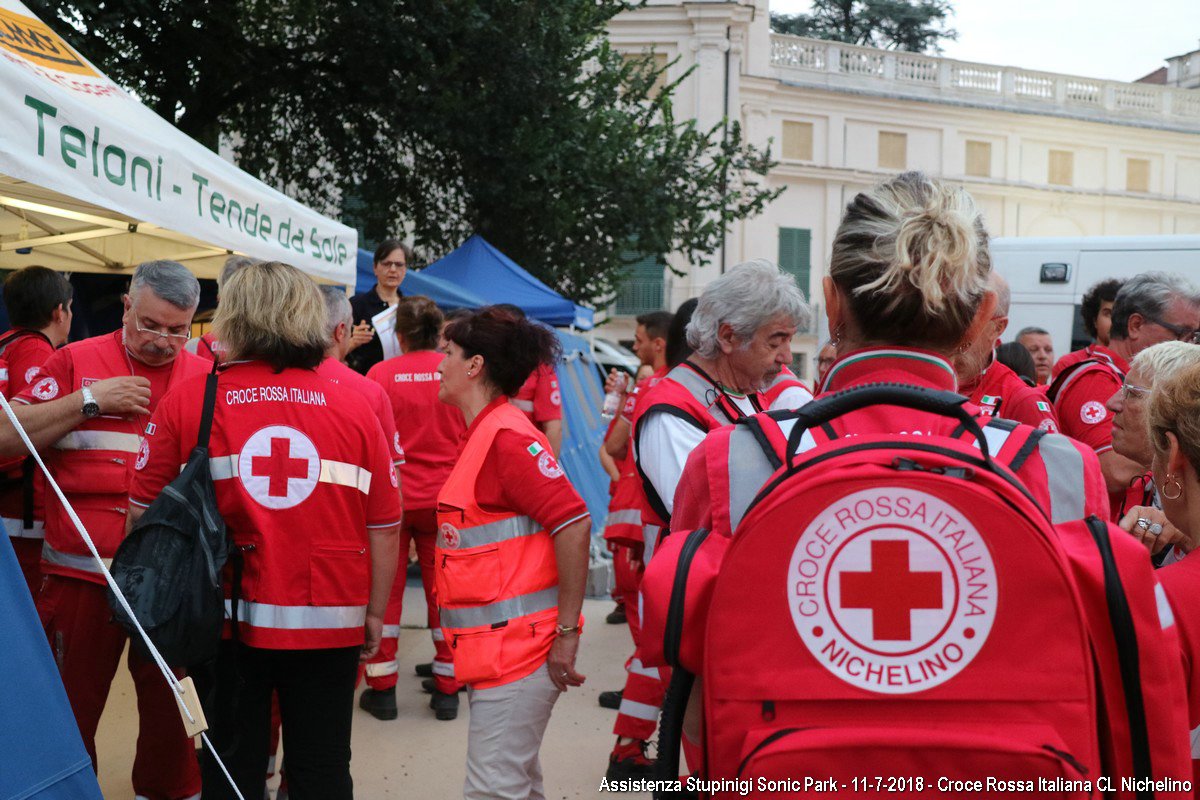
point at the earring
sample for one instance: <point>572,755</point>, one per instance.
<point>1172,482</point>
<point>470,374</point>
<point>837,336</point>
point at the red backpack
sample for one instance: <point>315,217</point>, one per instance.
<point>895,613</point>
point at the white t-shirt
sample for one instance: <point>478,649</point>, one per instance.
<point>791,398</point>
<point>665,443</point>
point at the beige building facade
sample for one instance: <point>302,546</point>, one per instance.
<point>1044,154</point>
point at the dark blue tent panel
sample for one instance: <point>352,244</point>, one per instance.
<point>484,270</point>
<point>41,754</point>
<point>444,293</point>
<point>581,384</point>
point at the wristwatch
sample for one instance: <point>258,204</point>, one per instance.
<point>90,407</point>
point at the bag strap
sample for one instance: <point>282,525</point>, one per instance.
<point>18,333</point>
<point>1059,383</point>
<point>210,403</point>
<point>1121,620</point>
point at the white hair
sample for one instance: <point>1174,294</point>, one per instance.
<point>745,298</point>
<point>337,307</point>
<point>1163,361</point>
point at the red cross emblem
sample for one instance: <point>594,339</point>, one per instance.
<point>279,466</point>
<point>891,591</point>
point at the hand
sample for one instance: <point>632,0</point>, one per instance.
<point>122,396</point>
<point>372,635</point>
<point>360,334</point>
<point>1169,535</point>
<point>561,662</point>
<point>616,376</point>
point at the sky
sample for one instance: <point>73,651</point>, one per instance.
<point>1114,39</point>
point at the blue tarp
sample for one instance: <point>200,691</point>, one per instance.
<point>484,270</point>
<point>580,380</point>
<point>444,293</point>
<point>41,754</point>
<point>581,383</point>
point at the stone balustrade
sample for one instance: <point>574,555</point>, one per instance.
<point>836,65</point>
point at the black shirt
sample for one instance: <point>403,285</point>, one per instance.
<point>365,305</point>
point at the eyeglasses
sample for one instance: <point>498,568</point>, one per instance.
<point>396,265</point>
<point>1183,333</point>
<point>184,331</point>
<point>1133,391</point>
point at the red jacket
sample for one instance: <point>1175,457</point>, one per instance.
<point>1000,392</point>
<point>94,463</point>
<point>301,470</point>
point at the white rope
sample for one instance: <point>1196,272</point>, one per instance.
<point>172,681</point>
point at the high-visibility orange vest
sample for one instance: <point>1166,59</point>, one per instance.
<point>496,573</point>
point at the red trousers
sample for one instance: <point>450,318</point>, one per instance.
<point>420,525</point>
<point>29,556</point>
<point>625,577</point>
<point>87,648</point>
<point>644,686</point>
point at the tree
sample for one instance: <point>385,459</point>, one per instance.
<point>914,25</point>
<point>516,121</point>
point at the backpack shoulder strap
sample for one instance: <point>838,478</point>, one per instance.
<point>210,403</point>
<point>11,337</point>
<point>1068,376</point>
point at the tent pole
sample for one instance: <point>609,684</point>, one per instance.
<point>33,220</point>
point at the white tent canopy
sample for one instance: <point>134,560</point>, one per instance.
<point>91,180</point>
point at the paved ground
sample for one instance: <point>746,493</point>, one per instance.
<point>417,756</point>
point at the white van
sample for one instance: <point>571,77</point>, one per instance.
<point>1049,276</point>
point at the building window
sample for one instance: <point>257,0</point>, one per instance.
<point>1137,175</point>
<point>979,159</point>
<point>1062,168</point>
<point>797,140</point>
<point>657,62</point>
<point>795,245</point>
<point>643,289</point>
<point>893,150</point>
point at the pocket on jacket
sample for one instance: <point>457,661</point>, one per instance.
<point>470,577</point>
<point>477,655</point>
<point>339,575</point>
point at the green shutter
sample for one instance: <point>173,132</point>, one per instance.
<point>795,245</point>
<point>643,289</point>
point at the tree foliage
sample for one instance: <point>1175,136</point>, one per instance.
<point>517,121</point>
<point>914,25</point>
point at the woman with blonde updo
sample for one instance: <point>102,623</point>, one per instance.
<point>908,290</point>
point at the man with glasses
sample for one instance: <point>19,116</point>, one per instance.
<point>1150,308</point>
<point>86,412</point>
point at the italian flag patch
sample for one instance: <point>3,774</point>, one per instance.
<point>989,400</point>
<point>1043,406</point>
<point>534,449</point>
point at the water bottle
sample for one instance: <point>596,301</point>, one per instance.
<point>613,398</point>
